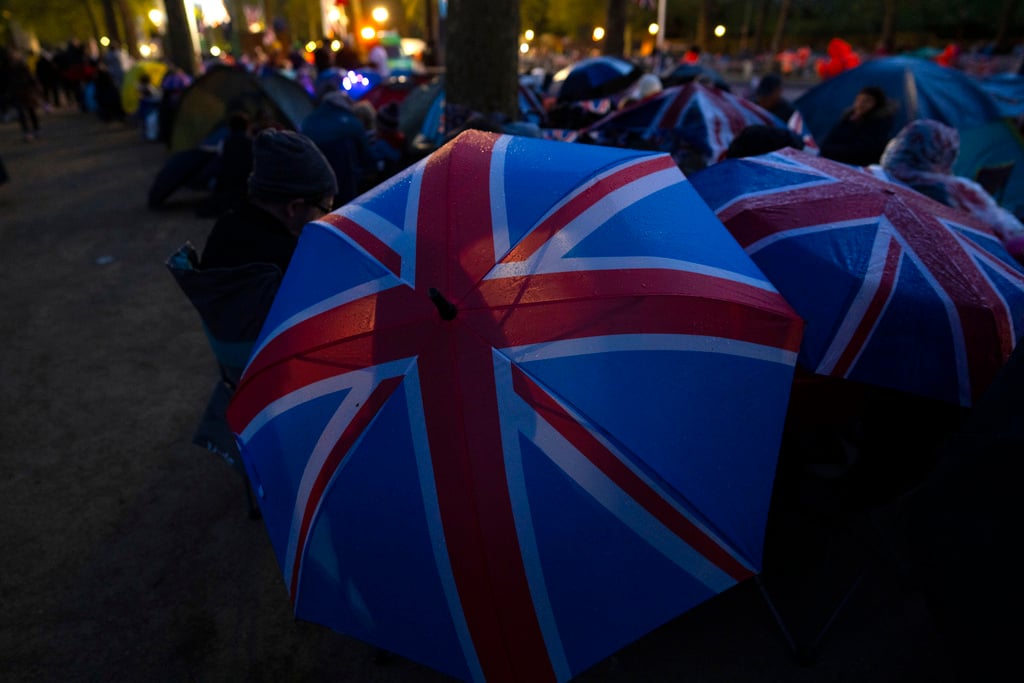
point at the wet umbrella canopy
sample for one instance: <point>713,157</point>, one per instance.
<point>898,290</point>
<point>594,78</point>
<point>684,119</point>
<point>492,416</point>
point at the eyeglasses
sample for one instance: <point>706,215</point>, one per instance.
<point>324,210</point>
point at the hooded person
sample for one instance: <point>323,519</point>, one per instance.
<point>921,156</point>
<point>291,184</point>
<point>341,135</point>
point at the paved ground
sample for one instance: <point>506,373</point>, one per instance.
<point>126,551</point>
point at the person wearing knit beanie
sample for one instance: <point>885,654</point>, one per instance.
<point>287,165</point>
<point>291,184</point>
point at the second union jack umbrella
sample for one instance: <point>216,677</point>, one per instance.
<point>690,118</point>
<point>516,407</point>
<point>897,290</point>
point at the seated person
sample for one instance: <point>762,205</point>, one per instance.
<point>231,182</point>
<point>290,185</point>
<point>860,136</point>
<point>768,95</point>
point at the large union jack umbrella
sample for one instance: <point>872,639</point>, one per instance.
<point>516,407</point>
<point>690,118</point>
<point>897,290</point>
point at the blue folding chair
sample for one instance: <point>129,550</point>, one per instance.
<point>232,304</point>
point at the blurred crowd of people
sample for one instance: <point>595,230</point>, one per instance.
<point>364,146</point>
<point>90,78</point>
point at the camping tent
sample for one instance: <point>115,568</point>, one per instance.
<point>272,99</point>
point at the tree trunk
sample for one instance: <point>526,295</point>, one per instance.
<point>430,31</point>
<point>314,24</point>
<point>238,27</point>
<point>745,29</point>
<point>1006,23</point>
<point>110,21</point>
<point>701,37</point>
<point>615,31</point>
<point>182,49</point>
<point>482,58</point>
<point>759,23</point>
<point>309,20</point>
<point>275,12</point>
<point>356,7</point>
<point>92,19</point>
<point>886,39</point>
<point>780,27</point>
<point>270,10</point>
<point>131,35</point>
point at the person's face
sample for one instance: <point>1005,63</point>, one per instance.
<point>772,98</point>
<point>862,104</point>
<point>320,207</point>
<point>302,211</point>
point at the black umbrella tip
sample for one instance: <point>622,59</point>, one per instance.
<point>446,308</point>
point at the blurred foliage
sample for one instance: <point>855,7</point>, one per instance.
<point>810,22</point>
<point>53,21</point>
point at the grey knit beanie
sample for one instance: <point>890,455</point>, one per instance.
<point>286,164</point>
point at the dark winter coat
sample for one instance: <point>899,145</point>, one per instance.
<point>248,234</point>
<point>341,136</point>
<point>859,142</point>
